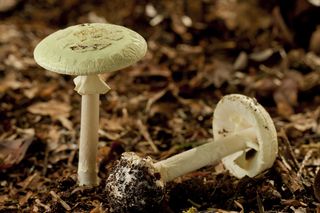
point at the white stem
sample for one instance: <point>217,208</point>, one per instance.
<point>89,87</point>
<point>87,168</point>
<point>206,154</point>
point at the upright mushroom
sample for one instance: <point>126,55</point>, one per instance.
<point>87,50</point>
<point>244,138</point>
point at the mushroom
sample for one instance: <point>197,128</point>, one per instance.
<point>85,51</point>
<point>244,138</point>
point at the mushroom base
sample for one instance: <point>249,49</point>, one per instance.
<point>134,185</point>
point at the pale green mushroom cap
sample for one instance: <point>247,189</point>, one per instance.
<point>88,49</point>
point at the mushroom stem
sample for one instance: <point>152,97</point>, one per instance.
<point>87,168</point>
<point>206,154</point>
<point>89,87</point>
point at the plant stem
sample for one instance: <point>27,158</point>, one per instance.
<point>206,154</point>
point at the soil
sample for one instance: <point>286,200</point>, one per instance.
<point>198,51</point>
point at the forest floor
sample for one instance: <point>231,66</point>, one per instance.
<point>198,51</point>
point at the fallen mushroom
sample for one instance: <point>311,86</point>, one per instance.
<point>244,138</point>
<point>87,50</point>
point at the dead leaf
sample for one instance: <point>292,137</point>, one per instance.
<point>154,98</point>
<point>215,73</point>
<point>262,55</point>
<point>11,32</point>
<point>241,61</point>
<point>314,2</point>
<point>39,89</point>
<point>311,80</point>
<point>13,150</point>
<point>238,204</point>
<point>305,121</point>
<point>314,44</point>
<point>288,176</point>
<point>244,16</point>
<point>265,86</point>
<point>31,181</point>
<point>53,137</point>
<point>197,108</point>
<point>53,108</point>
<point>10,82</point>
<point>6,5</point>
<point>194,10</point>
<point>286,95</point>
<point>312,60</point>
<point>65,122</point>
<point>23,200</point>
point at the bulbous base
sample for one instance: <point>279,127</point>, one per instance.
<point>134,185</point>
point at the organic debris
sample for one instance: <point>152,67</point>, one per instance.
<point>198,51</point>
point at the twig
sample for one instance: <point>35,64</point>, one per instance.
<point>289,149</point>
<point>62,202</point>
<point>287,35</point>
<point>304,162</point>
<point>71,157</point>
<point>28,181</point>
<point>147,136</point>
<point>45,163</point>
<point>46,207</point>
<point>288,177</point>
<point>260,204</point>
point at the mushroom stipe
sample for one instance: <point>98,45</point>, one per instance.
<point>245,140</point>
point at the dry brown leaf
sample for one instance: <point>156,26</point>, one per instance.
<point>244,16</point>
<point>197,108</point>
<point>53,108</point>
<point>312,60</point>
<point>305,121</point>
<point>241,61</point>
<point>261,56</point>
<point>112,124</point>
<point>23,200</point>
<point>31,181</point>
<point>3,198</point>
<point>194,10</point>
<point>47,89</point>
<point>11,33</point>
<point>40,89</point>
<point>13,150</point>
<point>97,209</point>
<point>65,122</point>
<point>286,95</point>
<point>314,44</point>
<point>53,137</point>
<point>154,98</point>
<point>288,176</point>
<point>10,82</point>
<point>311,80</point>
<point>6,5</point>
<point>217,73</point>
<point>265,86</point>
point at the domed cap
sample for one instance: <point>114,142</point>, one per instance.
<point>88,49</point>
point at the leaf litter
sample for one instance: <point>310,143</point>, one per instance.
<point>198,52</point>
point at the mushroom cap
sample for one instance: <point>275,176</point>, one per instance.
<point>134,185</point>
<point>88,49</point>
<point>238,112</point>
